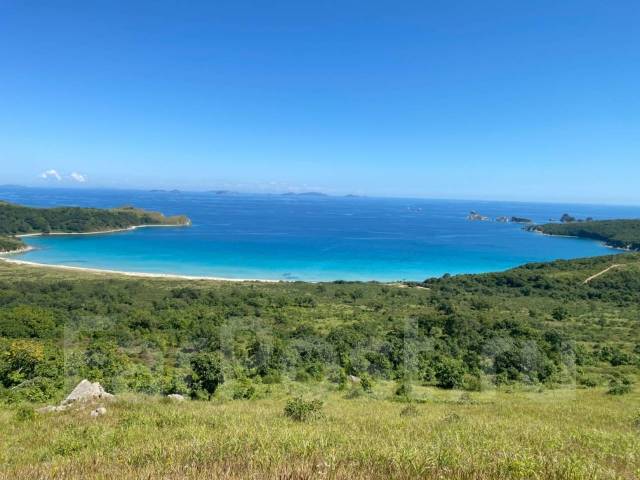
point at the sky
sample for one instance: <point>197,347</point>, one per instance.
<point>440,99</point>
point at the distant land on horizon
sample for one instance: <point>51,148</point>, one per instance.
<point>307,194</point>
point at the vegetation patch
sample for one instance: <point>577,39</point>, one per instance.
<point>302,410</point>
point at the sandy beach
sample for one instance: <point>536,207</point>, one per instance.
<point>6,257</point>
<point>128,274</point>
<point>100,232</point>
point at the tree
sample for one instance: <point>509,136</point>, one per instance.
<point>449,373</point>
<point>207,372</point>
<point>559,313</point>
<point>20,361</point>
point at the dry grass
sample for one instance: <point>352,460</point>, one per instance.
<point>551,435</point>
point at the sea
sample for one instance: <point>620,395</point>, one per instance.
<point>310,237</point>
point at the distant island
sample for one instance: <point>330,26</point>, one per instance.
<point>164,191</point>
<point>477,217</point>
<point>16,220</point>
<point>521,220</point>
<point>623,234</point>
<point>304,194</point>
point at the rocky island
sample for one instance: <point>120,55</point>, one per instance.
<point>476,217</point>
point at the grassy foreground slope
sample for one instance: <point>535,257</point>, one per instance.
<point>615,233</point>
<point>20,220</point>
<point>557,434</point>
<point>528,373</point>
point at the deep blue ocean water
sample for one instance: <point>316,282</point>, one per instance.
<point>310,238</point>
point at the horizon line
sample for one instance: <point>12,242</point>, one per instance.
<point>313,193</point>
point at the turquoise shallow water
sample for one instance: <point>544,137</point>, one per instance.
<point>310,238</point>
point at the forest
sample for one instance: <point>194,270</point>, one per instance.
<point>614,233</point>
<point>539,324</point>
<point>20,220</point>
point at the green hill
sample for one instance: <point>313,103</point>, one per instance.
<point>18,220</point>
<point>615,233</point>
<point>539,324</point>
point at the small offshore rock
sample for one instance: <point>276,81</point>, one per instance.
<point>176,397</point>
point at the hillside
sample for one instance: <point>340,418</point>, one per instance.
<point>500,375</point>
<point>20,220</point>
<point>516,327</point>
<point>615,233</point>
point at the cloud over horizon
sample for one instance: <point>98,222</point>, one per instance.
<point>51,174</point>
<point>78,177</point>
<point>54,175</point>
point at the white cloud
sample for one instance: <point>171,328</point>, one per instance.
<point>50,174</point>
<point>78,177</point>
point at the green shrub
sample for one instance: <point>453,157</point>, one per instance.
<point>636,420</point>
<point>588,381</point>
<point>25,413</point>
<point>243,390</point>
<point>366,382</point>
<point>404,389</point>
<point>272,377</point>
<point>559,313</point>
<point>302,410</point>
<point>620,386</point>
<point>449,373</point>
<point>472,383</point>
<point>36,390</point>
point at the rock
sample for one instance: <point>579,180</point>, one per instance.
<point>176,397</point>
<point>98,412</point>
<point>353,379</point>
<point>476,217</point>
<point>86,391</point>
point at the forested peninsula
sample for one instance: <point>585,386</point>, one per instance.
<point>614,233</point>
<point>18,220</point>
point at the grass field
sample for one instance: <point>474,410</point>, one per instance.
<point>552,434</point>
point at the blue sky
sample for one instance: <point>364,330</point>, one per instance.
<point>497,100</point>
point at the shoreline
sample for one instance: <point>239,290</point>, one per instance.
<point>168,276</point>
<point>99,232</point>
<point>25,249</point>
<point>29,248</point>
<point>601,242</point>
<point>6,257</point>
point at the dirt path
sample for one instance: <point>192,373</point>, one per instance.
<point>602,272</point>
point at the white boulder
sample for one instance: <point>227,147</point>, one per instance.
<point>86,391</point>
